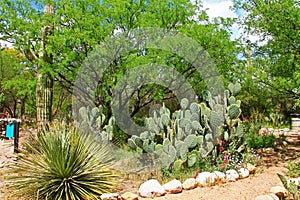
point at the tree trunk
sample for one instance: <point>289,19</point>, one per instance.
<point>44,88</point>
<point>22,109</point>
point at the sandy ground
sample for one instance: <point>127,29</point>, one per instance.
<point>273,162</point>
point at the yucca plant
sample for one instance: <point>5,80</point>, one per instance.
<point>63,164</point>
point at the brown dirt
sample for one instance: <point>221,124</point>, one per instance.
<point>273,162</point>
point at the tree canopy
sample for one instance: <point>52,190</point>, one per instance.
<point>78,27</point>
<point>275,55</point>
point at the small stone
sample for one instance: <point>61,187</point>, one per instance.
<point>251,168</point>
<point>206,178</point>
<point>267,197</point>
<point>232,175</point>
<point>244,173</point>
<point>220,176</point>
<point>110,196</point>
<point>129,196</point>
<point>189,184</point>
<point>280,191</point>
<point>269,150</point>
<point>151,188</point>
<point>264,131</point>
<point>173,187</point>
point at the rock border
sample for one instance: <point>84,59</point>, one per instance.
<point>152,188</point>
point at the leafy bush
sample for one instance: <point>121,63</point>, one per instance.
<point>63,164</point>
<point>257,141</point>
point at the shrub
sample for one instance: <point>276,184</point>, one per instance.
<point>63,164</point>
<point>257,141</point>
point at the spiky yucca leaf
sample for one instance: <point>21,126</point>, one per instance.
<point>63,165</point>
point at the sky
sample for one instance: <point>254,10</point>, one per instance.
<point>222,8</point>
<point>216,8</point>
<point>219,8</point>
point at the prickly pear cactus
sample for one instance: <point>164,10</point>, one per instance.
<point>193,132</point>
<point>92,120</point>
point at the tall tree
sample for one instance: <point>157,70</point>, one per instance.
<point>275,56</point>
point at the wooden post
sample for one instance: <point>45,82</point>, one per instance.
<point>16,136</point>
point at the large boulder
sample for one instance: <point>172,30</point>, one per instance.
<point>151,188</point>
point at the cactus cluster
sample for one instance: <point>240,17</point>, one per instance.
<point>92,120</point>
<point>194,131</point>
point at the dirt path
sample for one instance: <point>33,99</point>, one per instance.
<point>6,153</point>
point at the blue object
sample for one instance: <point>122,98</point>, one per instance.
<point>10,130</point>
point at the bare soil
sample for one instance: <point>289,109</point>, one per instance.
<point>273,162</point>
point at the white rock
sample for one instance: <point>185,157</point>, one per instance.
<point>151,188</point>
<point>173,187</point>
<point>267,197</point>
<point>220,175</point>
<point>264,131</point>
<point>232,175</point>
<point>251,168</point>
<point>110,196</point>
<point>213,178</point>
<point>189,184</point>
<point>206,178</point>
<point>244,173</point>
<point>280,191</point>
<point>129,196</point>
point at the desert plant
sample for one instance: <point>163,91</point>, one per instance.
<point>62,164</point>
<point>194,132</point>
<point>294,169</point>
<point>93,120</point>
<point>291,187</point>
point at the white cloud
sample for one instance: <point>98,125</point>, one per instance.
<point>219,8</point>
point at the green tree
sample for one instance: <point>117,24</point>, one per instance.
<point>17,83</point>
<point>79,26</point>
<point>275,63</point>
